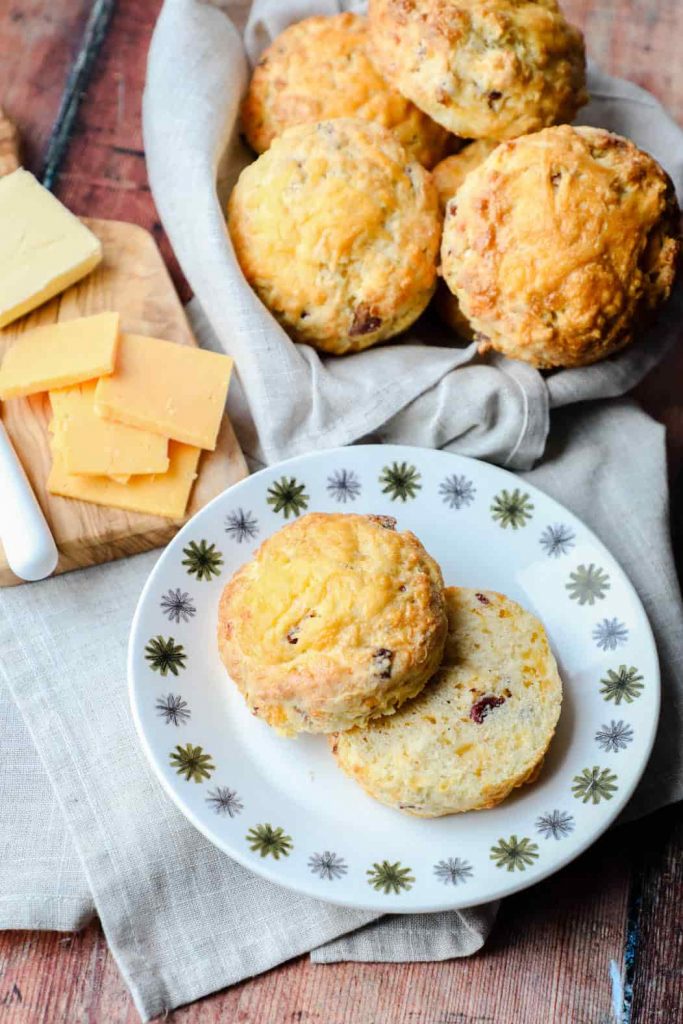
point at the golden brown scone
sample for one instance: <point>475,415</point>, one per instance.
<point>336,619</point>
<point>450,173</point>
<point>338,233</point>
<point>318,69</point>
<point>558,244</point>
<point>478,729</point>
<point>484,69</point>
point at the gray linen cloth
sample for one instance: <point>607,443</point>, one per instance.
<point>84,826</point>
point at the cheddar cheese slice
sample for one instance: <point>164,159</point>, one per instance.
<point>177,391</point>
<point>43,247</point>
<point>164,494</point>
<point>58,355</point>
<point>98,447</point>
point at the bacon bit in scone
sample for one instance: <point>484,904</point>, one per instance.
<point>452,209</point>
<point>480,710</point>
<point>388,522</point>
<point>402,588</point>
<point>293,635</point>
<point>493,98</point>
<point>482,598</point>
<point>364,322</point>
<point>382,661</point>
<point>335,743</point>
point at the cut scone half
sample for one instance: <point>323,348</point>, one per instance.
<point>479,728</point>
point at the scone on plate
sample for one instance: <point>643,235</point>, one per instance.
<point>337,619</point>
<point>318,69</point>
<point>478,729</point>
<point>338,232</point>
<point>559,243</point>
<point>484,69</point>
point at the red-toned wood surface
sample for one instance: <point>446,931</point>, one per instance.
<point>602,942</point>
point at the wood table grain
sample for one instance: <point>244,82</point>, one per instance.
<point>602,941</point>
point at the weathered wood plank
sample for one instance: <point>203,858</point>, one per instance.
<point>38,43</point>
<point>657,917</point>
<point>103,172</point>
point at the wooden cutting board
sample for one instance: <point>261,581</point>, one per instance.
<point>132,280</point>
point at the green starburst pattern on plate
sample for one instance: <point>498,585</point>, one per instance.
<point>588,584</point>
<point>594,784</point>
<point>165,656</point>
<point>288,496</point>
<point>400,481</point>
<point>514,854</point>
<point>512,508</point>
<point>269,842</point>
<point>390,878</point>
<point>625,684</point>
<point>192,763</point>
<point>202,560</point>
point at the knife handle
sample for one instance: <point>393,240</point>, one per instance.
<point>29,546</point>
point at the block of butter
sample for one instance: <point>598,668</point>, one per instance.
<point>98,447</point>
<point>177,391</point>
<point>164,494</point>
<point>58,355</point>
<point>43,247</point>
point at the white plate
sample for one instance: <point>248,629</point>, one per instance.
<point>281,807</point>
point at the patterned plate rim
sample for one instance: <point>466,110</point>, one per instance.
<point>407,902</point>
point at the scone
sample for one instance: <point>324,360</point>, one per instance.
<point>450,172</point>
<point>559,244</point>
<point>337,619</point>
<point>318,69</point>
<point>338,232</point>
<point>484,69</point>
<point>478,729</point>
<point>449,175</point>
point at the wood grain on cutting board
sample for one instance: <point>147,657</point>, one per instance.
<point>133,281</point>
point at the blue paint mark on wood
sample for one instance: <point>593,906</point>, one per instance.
<point>79,76</point>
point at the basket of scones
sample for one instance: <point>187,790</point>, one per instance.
<point>422,155</point>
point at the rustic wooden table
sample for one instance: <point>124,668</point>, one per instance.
<point>600,943</point>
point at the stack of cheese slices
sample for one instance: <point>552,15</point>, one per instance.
<point>131,414</point>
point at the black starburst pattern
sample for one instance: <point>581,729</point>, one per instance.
<point>224,801</point>
<point>327,865</point>
<point>555,824</point>
<point>557,540</point>
<point>610,634</point>
<point>241,525</point>
<point>453,871</point>
<point>173,709</point>
<point>343,485</point>
<point>614,737</point>
<point>457,491</point>
<point>177,605</point>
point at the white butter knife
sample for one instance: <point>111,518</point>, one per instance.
<point>29,546</point>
